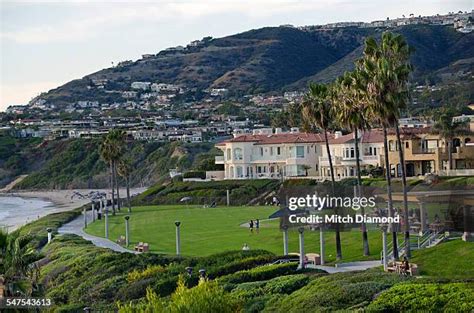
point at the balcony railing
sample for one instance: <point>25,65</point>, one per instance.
<point>219,159</point>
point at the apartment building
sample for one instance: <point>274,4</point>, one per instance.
<point>426,152</point>
<point>268,154</point>
<point>343,154</point>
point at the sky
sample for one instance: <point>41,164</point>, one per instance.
<point>44,44</point>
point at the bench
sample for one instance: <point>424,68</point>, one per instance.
<point>142,247</point>
<point>121,240</point>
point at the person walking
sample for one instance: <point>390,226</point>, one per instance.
<point>251,226</point>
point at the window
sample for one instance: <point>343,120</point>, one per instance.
<point>391,145</point>
<point>352,153</point>
<point>407,144</point>
<point>228,154</point>
<point>315,150</point>
<point>271,150</point>
<point>278,151</point>
<point>238,154</point>
<point>307,149</point>
<point>261,151</point>
<point>300,152</point>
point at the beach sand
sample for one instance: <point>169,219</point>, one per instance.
<point>34,204</point>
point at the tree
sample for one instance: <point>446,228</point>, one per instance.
<point>386,68</point>
<point>317,111</point>
<point>352,112</point>
<point>111,150</point>
<point>124,170</point>
<point>448,128</point>
<point>18,263</point>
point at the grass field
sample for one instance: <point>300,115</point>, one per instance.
<point>451,259</point>
<point>205,231</point>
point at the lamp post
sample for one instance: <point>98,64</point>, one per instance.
<point>93,211</point>
<point>322,244</point>
<point>285,240</point>
<point>84,211</point>
<point>178,238</point>
<point>50,234</point>
<point>127,231</point>
<point>301,237</point>
<point>384,228</point>
<point>106,216</point>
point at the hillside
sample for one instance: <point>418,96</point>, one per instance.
<point>76,163</point>
<point>269,59</point>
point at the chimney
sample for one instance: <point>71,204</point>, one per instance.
<point>278,130</point>
<point>294,130</point>
<point>337,134</point>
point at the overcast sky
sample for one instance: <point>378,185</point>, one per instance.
<point>46,44</point>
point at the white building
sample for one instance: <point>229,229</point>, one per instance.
<point>140,85</point>
<point>265,154</point>
<point>343,157</point>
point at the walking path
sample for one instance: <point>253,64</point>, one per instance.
<point>347,267</point>
<point>76,227</point>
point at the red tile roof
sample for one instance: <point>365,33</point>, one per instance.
<point>278,138</point>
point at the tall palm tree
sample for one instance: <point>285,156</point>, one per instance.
<point>124,170</point>
<point>352,113</point>
<point>317,110</point>
<point>449,129</point>
<point>105,150</point>
<point>111,150</point>
<point>386,92</point>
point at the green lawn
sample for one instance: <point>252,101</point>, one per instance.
<point>213,230</point>
<point>451,259</point>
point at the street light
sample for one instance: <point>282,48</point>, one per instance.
<point>285,240</point>
<point>384,228</point>
<point>301,237</point>
<point>50,235</point>
<point>127,231</point>
<point>178,238</point>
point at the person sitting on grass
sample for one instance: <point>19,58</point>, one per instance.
<point>245,247</point>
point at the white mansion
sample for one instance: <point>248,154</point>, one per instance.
<point>268,154</point>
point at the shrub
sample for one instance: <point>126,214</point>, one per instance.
<point>260,273</point>
<point>195,174</point>
<point>207,296</point>
<point>150,271</point>
<point>455,297</point>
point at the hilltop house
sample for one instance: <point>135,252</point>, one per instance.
<point>268,154</point>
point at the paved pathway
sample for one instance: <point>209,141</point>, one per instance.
<point>76,227</point>
<point>347,267</point>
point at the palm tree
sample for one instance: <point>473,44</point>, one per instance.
<point>111,150</point>
<point>18,262</point>
<point>317,110</point>
<point>124,170</point>
<point>352,114</point>
<point>105,150</point>
<point>448,128</point>
<point>386,68</point>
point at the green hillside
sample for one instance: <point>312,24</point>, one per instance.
<point>76,163</point>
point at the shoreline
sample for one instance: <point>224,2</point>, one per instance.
<point>51,201</point>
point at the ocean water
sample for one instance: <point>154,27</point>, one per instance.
<point>16,211</point>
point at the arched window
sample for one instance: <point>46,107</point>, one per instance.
<point>229,154</point>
